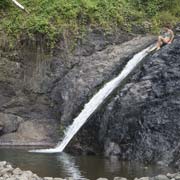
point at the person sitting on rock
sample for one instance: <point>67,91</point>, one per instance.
<point>166,38</point>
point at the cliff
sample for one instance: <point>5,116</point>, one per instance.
<point>41,92</point>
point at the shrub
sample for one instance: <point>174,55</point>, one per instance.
<point>52,17</point>
<point>4,4</point>
<point>165,17</point>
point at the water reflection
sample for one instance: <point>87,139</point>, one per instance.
<point>69,166</point>
<point>91,167</point>
<point>112,165</point>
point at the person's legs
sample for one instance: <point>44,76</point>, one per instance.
<point>161,41</point>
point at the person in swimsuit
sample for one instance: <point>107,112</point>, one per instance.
<point>166,38</point>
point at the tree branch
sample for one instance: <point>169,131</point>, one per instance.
<point>19,5</point>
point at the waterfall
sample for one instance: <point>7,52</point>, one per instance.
<point>96,101</point>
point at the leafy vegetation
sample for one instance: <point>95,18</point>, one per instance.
<point>53,17</point>
<point>3,4</point>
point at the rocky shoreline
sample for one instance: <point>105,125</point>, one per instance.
<point>8,172</point>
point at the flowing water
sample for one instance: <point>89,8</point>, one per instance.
<point>79,167</point>
<point>96,101</point>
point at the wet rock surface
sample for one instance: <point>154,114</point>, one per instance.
<point>141,120</point>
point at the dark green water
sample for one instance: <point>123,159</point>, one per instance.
<point>65,165</point>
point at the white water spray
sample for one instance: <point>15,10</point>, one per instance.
<point>96,101</point>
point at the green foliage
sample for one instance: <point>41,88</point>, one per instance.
<point>153,7</point>
<point>165,17</point>
<point>4,4</point>
<point>54,17</point>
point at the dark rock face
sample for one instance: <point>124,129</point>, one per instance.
<point>142,120</point>
<point>41,91</point>
<point>25,110</point>
<point>91,72</point>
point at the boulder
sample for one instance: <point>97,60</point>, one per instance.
<point>9,123</point>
